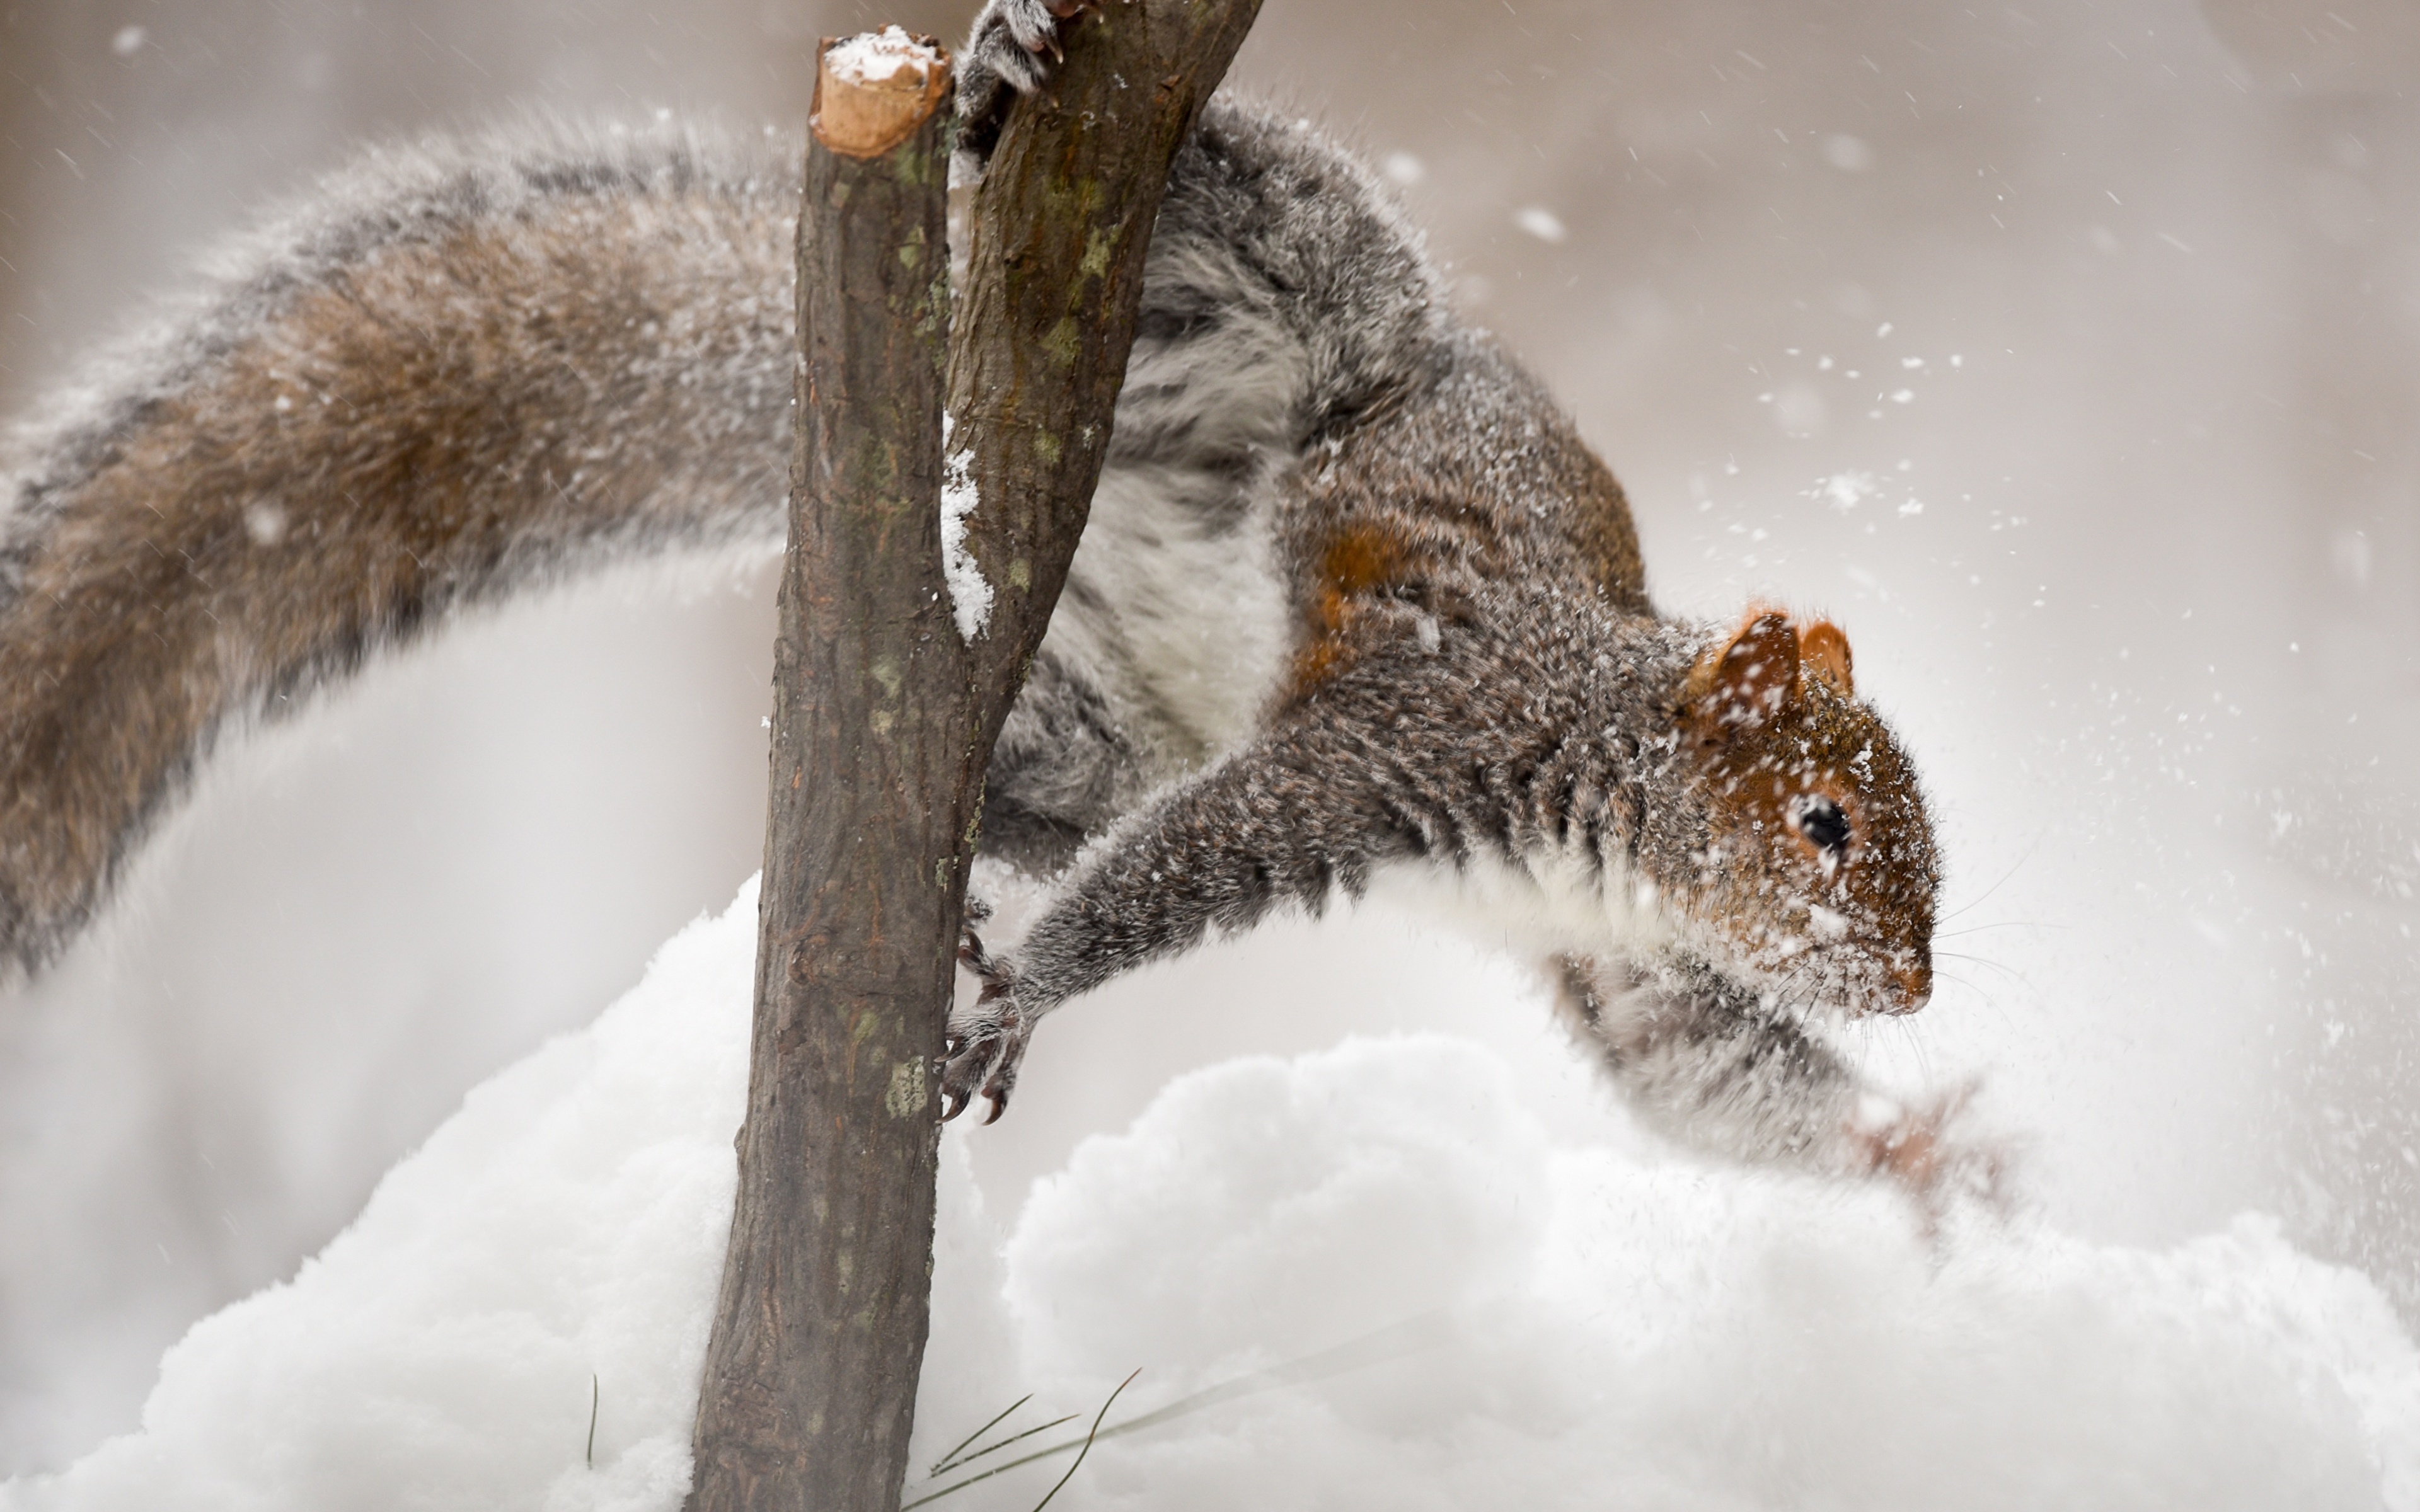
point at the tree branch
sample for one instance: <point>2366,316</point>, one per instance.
<point>885,712</point>
<point>1059,228</point>
<point>811,1373</point>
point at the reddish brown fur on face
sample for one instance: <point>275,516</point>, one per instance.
<point>1777,732</point>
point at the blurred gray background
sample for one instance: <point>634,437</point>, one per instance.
<point>2069,353</point>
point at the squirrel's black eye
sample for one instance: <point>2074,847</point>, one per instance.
<point>1820,821</point>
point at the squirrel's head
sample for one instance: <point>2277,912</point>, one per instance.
<point>1819,879</point>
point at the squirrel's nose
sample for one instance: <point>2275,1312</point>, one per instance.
<point>1915,983</point>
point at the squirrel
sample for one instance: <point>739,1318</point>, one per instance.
<point>1354,596</point>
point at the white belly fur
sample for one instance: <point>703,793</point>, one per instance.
<point>1545,903</point>
<point>1201,619</point>
<point>1184,621</point>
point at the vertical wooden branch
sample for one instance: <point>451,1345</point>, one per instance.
<point>887,703</point>
<point>1054,282</point>
<point>811,1373</point>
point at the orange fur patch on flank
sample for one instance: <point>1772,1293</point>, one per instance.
<point>1359,558</point>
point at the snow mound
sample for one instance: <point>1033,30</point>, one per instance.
<point>1507,1323</point>
<point>558,1240</point>
<point>1603,1332</point>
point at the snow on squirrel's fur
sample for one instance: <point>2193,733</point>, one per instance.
<point>1602,1332</point>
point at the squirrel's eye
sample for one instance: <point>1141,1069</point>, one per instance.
<point>1822,822</point>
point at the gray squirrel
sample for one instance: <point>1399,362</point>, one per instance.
<point>1354,594</point>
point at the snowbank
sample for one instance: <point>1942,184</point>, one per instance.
<point>1587,1330</point>
<point>567,1224</point>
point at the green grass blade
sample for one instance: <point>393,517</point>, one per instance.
<point>1425,1330</point>
<point>950,1459</point>
<point>946,1466</point>
<point>1088,1444</point>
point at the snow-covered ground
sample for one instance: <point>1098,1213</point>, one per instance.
<point>1541,1324</point>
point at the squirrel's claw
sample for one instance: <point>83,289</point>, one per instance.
<point>1034,23</point>
<point>984,1047</point>
<point>1009,39</point>
<point>1003,57</point>
<point>983,1058</point>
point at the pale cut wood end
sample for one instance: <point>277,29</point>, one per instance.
<point>873,90</point>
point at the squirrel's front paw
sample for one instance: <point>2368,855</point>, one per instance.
<point>1006,53</point>
<point>985,1044</point>
<point>1932,1153</point>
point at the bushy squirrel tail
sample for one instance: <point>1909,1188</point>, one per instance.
<point>450,370</point>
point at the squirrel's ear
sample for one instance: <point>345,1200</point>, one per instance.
<point>1823,653</point>
<point>1750,678</point>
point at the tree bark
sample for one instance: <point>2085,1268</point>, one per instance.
<point>811,1373</point>
<point>1061,225</point>
<point>885,712</point>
